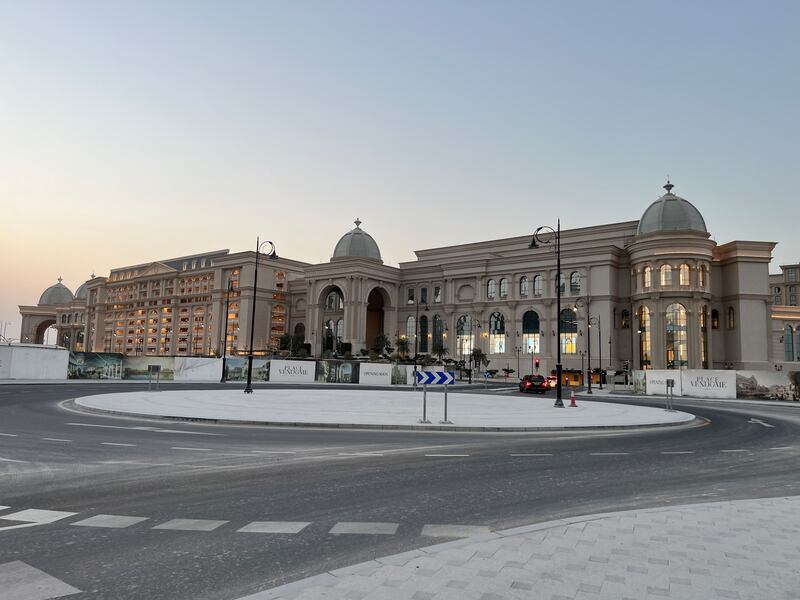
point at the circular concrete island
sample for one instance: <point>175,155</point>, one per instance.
<point>382,409</point>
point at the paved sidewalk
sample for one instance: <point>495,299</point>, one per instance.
<point>325,407</point>
<point>746,550</point>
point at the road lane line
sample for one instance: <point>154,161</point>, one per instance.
<point>56,440</point>
<point>530,454</point>
<point>364,528</point>
<point>608,453</point>
<point>195,449</point>
<point>272,452</point>
<point>360,454</point>
<point>3,459</point>
<point>783,448</point>
<point>142,428</point>
<point>678,452</point>
<point>8,434</point>
<point>116,444</point>
<point>446,455</point>
<point>741,450</point>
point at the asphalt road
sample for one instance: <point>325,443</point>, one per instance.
<point>54,459</point>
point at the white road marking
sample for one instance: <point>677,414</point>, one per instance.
<point>365,528</point>
<point>272,452</point>
<point>116,444</point>
<point>195,449</point>
<point>8,434</point>
<point>56,440</point>
<point>111,521</point>
<point>454,531</point>
<point>360,454</point>
<point>274,527</point>
<point>2,459</point>
<point>32,517</point>
<point>530,455</point>
<point>446,455</point>
<point>734,451</point>
<point>191,525</point>
<point>783,448</point>
<point>759,422</point>
<point>4,507</point>
<point>141,428</point>
<point>20,580</point>
<point>678,452</point>
<point>608,453</point>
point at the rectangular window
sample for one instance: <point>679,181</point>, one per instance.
<point>792,295</point>
<point>497,343</point>
<point>411,295</point>
<point>791,274</point>
<point>423,295</point>
<point>569,343</point>
<point>437,295</point>
<point>531,343</point>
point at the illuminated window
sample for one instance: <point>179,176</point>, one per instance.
<point>647,277</point>
<point>465,336</point>
<point>497,333</point>
<point>683,275</point>
<point>575,283</point>
<point>569,332</point>
<point>666,276</point>
<point>676,337</point>
<point>531,336</point>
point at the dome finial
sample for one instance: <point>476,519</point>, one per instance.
<point>668,186</point>
<point>357,222</point>
<point>60,279</point>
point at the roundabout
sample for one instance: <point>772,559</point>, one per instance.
<point>381,409</point>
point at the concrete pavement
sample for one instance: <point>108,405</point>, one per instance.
<point>381,409</point>
<point>745,550</point>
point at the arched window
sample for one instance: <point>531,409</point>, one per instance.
<point>731,318</point>
<point>538,285</point>
<point>411,331</point>
<point>704,336</point>
<point>788,343</point>
<point>714,319</point>
<point>423,334</point>
<point>683,274</point>
<point>523,286</point>
<point>491,289</point>
<point>676,337</point>
<point>504,288</point>
<point>531,336</point>
<point>329,336</point>
<point>666,276</point>
<point>575,283</point>
<point>339,332</point>
<point>333,301</point>
<point>625,319</point>
<point>497,333</point>
<point>569,332</point>
<point>701,276</point>
<point>438,333</point>
<point>465,336</point>
<point>647,278</point>
<point>644,337</point>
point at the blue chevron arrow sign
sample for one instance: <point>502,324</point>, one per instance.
<point>436,377</point>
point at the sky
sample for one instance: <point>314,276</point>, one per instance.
<point>139,131</point>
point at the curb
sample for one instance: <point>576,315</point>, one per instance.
<point>74,405</point>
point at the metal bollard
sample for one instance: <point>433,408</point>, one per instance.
<point>424,403</point>
<point>445,421</point>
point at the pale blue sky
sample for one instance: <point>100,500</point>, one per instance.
<point>144,130</point>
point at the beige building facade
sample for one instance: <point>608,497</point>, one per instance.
<point>652,293</point>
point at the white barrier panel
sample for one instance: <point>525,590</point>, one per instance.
<point>375,373</point>
<point>197,369</point>
<point>656,382</point>
<point>292,371</point>
<point>708,384</point>
<point>33,361</point>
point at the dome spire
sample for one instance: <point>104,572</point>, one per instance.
<point>668,186</point>
<point>60,279</point>
<point>358,222</point>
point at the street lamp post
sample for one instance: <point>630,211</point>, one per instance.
<point>600,344</point>
<point>555,239</point>
<point>590,320</point>
<point>272,255</point>
<point>416,333</point>
<point>224,377</point>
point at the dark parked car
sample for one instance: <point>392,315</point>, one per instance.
<point>533,383</point>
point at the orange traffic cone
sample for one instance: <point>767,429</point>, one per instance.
<point>572,403</point>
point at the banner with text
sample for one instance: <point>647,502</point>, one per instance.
<point>376,374</point>
<point>292,371</point>
<point>703,383</point>
<point>656,382</point>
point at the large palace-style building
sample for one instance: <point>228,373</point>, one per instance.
<point>657,292</point>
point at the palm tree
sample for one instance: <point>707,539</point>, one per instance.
<point>440,351</point>
<point>380,343</point>
<point>478,358</point>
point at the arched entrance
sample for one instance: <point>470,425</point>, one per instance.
<point>332,326</point>
<point>376,303</point>
<point>41,329</point>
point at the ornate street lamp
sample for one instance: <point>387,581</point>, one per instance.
<point>590,320</point>
<point>224,377</point>
<point>272,255</point>
<point>416,333</point>
<point>555,239</point>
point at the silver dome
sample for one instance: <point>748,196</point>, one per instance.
<point>671,213</point>
<point>81,293</point>
<point>357,243</point>
<point>56,294</point>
